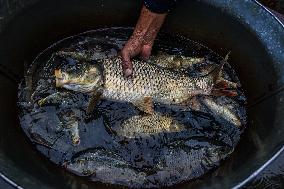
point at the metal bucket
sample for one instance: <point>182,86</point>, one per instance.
<point>252,34</point>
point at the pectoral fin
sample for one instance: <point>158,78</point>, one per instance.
<point>145,105</point>
<point>55,98</point>
<point>93,101</point>
<point>192,103</point>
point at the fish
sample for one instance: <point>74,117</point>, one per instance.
<point>162,59</point>
<point>176,61</point>
<point>186,162</point>
<point>145,125</point>
<point>149,84</point>
<point>69,122</point>
<point>85,162</point>
<point>223,111</point>
<point>104,166</point>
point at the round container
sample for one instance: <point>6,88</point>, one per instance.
<point>252,34</point>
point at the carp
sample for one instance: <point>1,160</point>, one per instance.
<point>145,125</point>
<point>149,83</point>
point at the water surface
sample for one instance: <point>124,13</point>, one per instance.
<point>159,159</point>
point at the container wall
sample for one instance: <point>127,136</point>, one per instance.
<point>26,31</point>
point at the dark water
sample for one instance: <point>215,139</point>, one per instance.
<point>87,144</point>
<point>270,177</point>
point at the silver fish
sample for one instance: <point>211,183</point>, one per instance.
<point>223,111</point>
<point>69,122</point>
<point>149,81</point>
<point>175,61</point>
<point>105,166</point>
<point>138,126</point>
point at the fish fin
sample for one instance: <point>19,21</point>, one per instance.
<point>193,103</point>
<point>222,87</point>
<point>93,102</point>
<point>72,127</point>
<point>51,99</point>
<point>75,136</point>
<point>41,102</point>
<point>216,73</point>
<point>145,105</point>
<point>225,84</point>
<point>186,63</point>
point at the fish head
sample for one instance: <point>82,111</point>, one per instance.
<point>85,82</point>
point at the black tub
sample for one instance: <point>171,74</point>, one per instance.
<point>254,37</point>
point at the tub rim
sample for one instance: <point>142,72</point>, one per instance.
<point>241,184</point>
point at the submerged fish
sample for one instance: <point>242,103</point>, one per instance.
<point>150,83</point>
<point>176,61</point>
<point>156,123</point>
<point>69,122</point>
<point>223,111</point>
<point>105,166</point>
<point>85,163</point>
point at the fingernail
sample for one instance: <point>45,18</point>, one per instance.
<point>127,72</point>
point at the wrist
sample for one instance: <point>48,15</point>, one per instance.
<point>148,25</point>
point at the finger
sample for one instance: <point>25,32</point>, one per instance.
<point>127,69</point>
<point>146,52</point>
<point>127,66</point>
<point>125,56</point>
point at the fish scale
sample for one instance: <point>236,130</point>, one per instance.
<point>158,154</point>
<point>163,85</point>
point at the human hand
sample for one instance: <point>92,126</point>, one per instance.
<point>136,45</point>
<point>142,39</point>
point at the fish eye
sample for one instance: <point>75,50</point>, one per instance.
<point>63,75</point>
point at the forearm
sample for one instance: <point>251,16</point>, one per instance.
<point>148,25</point>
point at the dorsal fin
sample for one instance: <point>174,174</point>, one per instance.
<point>217,71</point>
